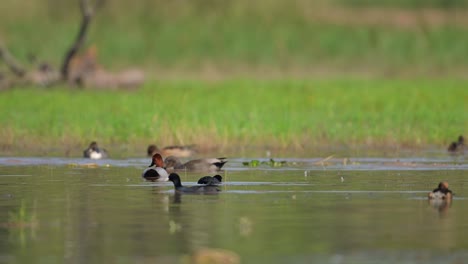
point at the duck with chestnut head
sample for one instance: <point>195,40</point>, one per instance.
<point>155,171</point>
<point>177,151</point>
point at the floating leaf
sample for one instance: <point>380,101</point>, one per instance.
<point>252,163</point>
<point>174,227</point>
<point>271,163</point>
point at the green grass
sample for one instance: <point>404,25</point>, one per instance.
<point>285,115</point>
<point>270,34</point>
<point>186,38</point>
<point>408,3</point>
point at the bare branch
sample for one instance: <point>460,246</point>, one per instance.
<point>10,61</point>
<point>87,13</point>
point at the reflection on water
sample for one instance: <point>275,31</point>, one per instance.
<point>55,213</point>
<point>441,206</point>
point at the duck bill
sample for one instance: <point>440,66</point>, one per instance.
<point>152,164</point>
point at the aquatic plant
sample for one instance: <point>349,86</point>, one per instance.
<point>270,162</point>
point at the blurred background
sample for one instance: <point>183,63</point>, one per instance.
<point>336,117</point>
<point>264,38</point>
<point>293,74</point>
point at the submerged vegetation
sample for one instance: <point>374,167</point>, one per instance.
<point>270,162</point>
<point>235,114</point>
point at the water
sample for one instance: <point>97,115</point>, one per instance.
<point>364,210</point>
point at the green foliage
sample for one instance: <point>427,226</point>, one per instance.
<point>275,34</point>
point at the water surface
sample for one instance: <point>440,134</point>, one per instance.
<point>364,210</point>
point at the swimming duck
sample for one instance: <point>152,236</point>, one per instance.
<point>94,152</point>
<point>210,164</point>
<point>442,192</point>
<point>155,171</point>
<point>457,146</point>
<point>177,151</point>
<point>208,180</point>
<point>174,177</point>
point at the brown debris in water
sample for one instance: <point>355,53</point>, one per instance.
<point>214,255</point>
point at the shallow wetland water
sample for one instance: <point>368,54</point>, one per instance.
<point>364,210</point>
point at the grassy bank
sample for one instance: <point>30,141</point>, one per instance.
<point>283,115</point>
<point>333,36</point>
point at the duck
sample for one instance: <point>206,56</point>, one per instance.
<point>155,171</point>
<point>94,152</point>
<point>457,146</point>
<point>177,151</point>
<point>208,180</point>
<point>442,192</point>
<point>208,164</point>
<point>174,178</point>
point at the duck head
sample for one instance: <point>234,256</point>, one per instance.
<point>157,160</point>
<point>174,177</point>
<point>443,185</point>
<point>152,149</point>
<point>218,177</point>
<point>94,146</point>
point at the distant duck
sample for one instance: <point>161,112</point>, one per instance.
<point>177,151</point>
<point>174,177</point>
<point>94,152</point>
<point>442,192</point>
<point>458,145</point>
<point>208,180</point>
<point>207,165</point>
<point>156,171</point>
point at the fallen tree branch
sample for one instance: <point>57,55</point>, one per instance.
<point>10,61</point>
<point>87,13</point>
<point>78,68</point>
